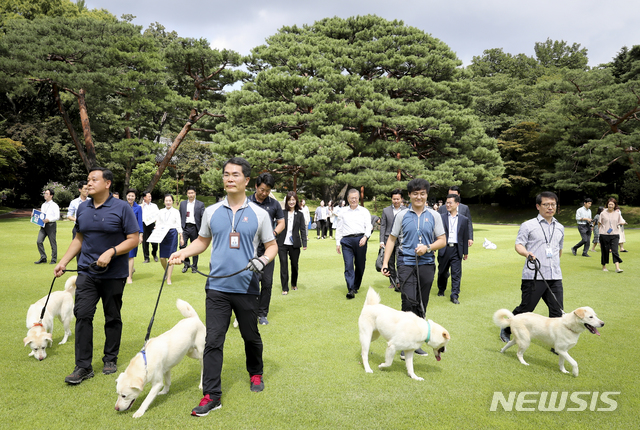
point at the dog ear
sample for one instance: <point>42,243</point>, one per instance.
<point>580,312</point>
<point>49,338</point>
<point>446,335</point>
<point>137,383</point>
<point>27,340</point>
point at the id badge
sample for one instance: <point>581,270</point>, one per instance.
<point>549,252</point>
<point>609,231</point>
<point>188,213</point>
<point>234,240</point>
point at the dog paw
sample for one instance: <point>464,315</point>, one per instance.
<point>417,378</point>
<point>368,370</point>
<point>165,391</point>
<point>62,342</point>
<point>138,414</point>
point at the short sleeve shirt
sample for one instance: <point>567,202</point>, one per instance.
<point>412,229</point>
<point>103,228</point>
<point>536,235</point>
<point>254,226</point>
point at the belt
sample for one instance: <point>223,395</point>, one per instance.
<point>354,235</point>
<point>452,244</point>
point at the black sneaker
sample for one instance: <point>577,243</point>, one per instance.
<point>351,294</point>
<point>207,404</point>
<point>109,368</point>
<point>263,320</point>
<point>419,351</point>
<point>505,335</point>
<point>402,355</point>
<point>194,269</point>
<point>573,251</point>
<point>257,384</point>
<point>79,374</point>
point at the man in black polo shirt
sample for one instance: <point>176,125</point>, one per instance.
<point>106,231</point>
<point>264,184</point>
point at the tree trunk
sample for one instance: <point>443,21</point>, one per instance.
<point>167,158</point>
<point>86,127</point>
<point>72,132</point>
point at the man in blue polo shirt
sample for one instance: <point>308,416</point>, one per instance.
<point>106,231</point>
<point>264,183</point>
<point>234,227</point>
<point>420,232</point>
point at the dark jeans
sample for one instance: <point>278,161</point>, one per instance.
<point>88,292</point>
<point>218,307</point>
<point>294,255</point>
<point>49,230</point>
<point>190,233</point>
<point>532,291</point>
<point>355,258</point>
<point>146,232</point>
<point>409,287</point>
<point>585,235</point>
<point>609,242</point>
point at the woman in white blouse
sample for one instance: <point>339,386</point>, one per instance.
<point>169,217</point>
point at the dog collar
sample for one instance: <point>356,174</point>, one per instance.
<point>429,335</point>
<point>37,324</point>
<point>144,357</point>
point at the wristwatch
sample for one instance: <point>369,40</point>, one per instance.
<point>428,248</point>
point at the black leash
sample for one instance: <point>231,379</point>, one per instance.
<point>215,277</point>
<point>93,268</point>
<point>536,268</point>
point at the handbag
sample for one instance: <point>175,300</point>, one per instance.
<point>380,259</point>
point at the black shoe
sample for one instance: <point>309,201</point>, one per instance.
<point>42,260</point>
<point>440,293</point>
<point>53,262</point>
<point>109,368</point>
<point>263,320</point>
<point>194,269</point>
<point>419,351</point>
<point>351,294</point>
<point>505,335</point>
<point>573,251</point>
<point>207,404</point>
<point>402,355</point>
<point>586,255</point>
<point>455,301</point>
<point>155,258</point>
<point>184,269</point>
<point>257,384</point>
<point>146,260</point>
<point>79,374</point>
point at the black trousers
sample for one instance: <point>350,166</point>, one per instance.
<point>49,230</point>
<point>294,255</point>
<point>449,260</point>
<point>609,242</point>
<point>391,265</point>
<point>218,307</point>
<point>266,285</point>
<point>411,295</point>
<point>585,236</point>
<point>532,291</point>
<point>146,232</point>
<point>321,228</point>
<point>190,233</point>
<point>88,292</point>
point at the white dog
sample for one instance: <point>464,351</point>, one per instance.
<point>60,305</point>
<point>560,333</point>
<point>160,355</point>
<point>404,331</point>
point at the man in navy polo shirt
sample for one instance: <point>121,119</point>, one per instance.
<point>264,184</point>
<point>234,227</point>
<point>106,231</point>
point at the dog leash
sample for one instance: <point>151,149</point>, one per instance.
<point>536,268</point>
<point>91,269</point>
<point>214,277</point>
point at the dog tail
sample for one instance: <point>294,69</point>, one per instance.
<point>373,298</point>
<point>502,318</point>
<point>185,309</point>
<point>70,285</point>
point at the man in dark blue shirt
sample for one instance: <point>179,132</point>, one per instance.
<point>106,231</point>
<point>264,184</point>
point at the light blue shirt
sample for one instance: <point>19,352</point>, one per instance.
<point>583,213</point>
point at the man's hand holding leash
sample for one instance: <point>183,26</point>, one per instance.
<point>257,264</point>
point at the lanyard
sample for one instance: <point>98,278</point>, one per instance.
<point>545,235</point>
<point>233,229</point>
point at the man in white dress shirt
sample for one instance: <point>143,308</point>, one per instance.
<point>52,214</point>
<point>583,218</point>
<point>83,188</point>
<point>352,232</point>
<point>191,217</point>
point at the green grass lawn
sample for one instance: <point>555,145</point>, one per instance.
<point>313,372</point>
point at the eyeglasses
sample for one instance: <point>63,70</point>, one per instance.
<point>548,205</point>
